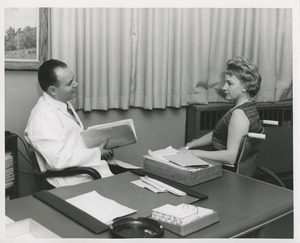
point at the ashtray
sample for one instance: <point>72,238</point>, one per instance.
<point>136,228</point>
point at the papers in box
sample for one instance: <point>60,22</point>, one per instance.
<point>177,159</point>
<point>186,169</point>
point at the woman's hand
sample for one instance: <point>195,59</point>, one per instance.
<point>183,149</point>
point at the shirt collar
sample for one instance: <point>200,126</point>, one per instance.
<point>56,103</point>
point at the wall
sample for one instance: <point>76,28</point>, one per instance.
<point>155,129</point>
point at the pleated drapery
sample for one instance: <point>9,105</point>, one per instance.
<point>96,45</point>
<point>158,58</point>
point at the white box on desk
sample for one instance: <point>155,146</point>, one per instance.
<point>28,229</point>
<point>193,226</point>
<point>188,178</point>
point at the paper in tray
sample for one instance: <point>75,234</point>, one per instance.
<point>28,229</point>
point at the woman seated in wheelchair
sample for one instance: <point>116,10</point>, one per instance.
<point>242,83</point>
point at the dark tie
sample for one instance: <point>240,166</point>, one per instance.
<point>72,113</point>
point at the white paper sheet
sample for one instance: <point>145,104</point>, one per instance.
<point>123,164</point>
<point>159,154</point>
<point>142,184</point>
<point>101,208</point>
<point>186,160</point>
<point>157,186</point>
<point>179,159</point>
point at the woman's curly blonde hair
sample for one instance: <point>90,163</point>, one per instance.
<point>246,72</point>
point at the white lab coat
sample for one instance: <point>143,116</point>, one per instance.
<point>55,135</point>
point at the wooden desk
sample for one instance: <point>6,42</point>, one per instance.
<point>244,205</point>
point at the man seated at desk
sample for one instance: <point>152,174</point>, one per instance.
<point>54,128</point>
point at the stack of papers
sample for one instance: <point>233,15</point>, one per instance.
<point>101,208</point>
<point>178,159</point>
<point>9,170</point>
<point>157,186</point>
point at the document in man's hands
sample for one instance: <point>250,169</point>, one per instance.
<point>119,133</point>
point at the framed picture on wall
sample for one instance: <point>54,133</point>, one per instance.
<point>26,38</point>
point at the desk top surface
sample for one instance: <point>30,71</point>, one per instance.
<point>241,202</point>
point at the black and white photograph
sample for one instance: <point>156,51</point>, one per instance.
<point>150,121</point>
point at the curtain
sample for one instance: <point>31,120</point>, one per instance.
<point>158,58</point>
<point>96,44</point>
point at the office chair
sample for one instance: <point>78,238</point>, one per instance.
<point>40,177</point>
<point>246,162</point>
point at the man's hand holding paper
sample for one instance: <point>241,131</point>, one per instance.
<point>105,153</point>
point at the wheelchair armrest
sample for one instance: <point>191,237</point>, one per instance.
<point>270,122</point>
<point>257,135</point>
<point>70,172</point>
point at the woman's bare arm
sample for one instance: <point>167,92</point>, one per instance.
<point>205,140</point>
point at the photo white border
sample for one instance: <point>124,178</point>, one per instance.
<point>294,4</point>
